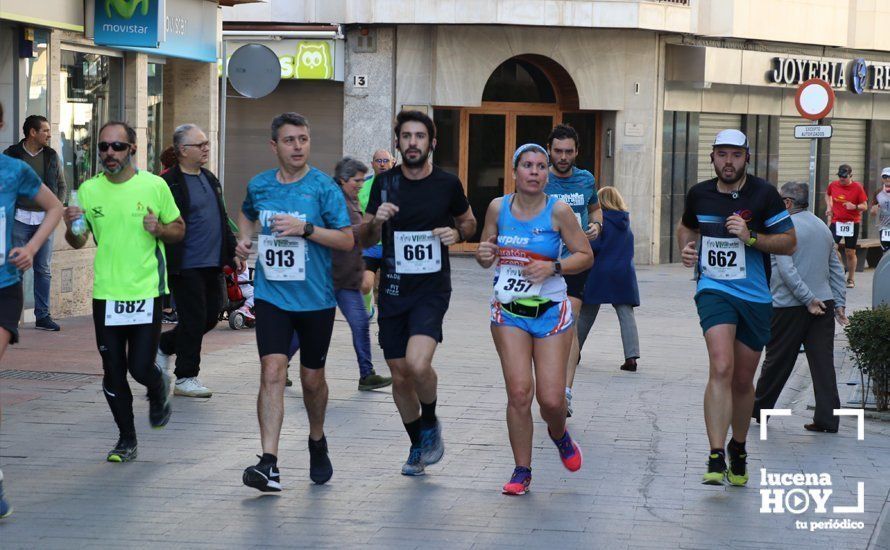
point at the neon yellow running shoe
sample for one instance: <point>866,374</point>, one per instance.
<point>716,470</point>
<point>737,474</point>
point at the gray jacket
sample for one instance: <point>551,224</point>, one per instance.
<point>813,271</point>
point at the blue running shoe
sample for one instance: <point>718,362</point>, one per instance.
<point>5,508</point>
<point>432,444</point>
<point>414,465</point>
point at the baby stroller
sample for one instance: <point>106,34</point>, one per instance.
<point>237,305</point>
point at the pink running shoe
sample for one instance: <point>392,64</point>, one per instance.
<point>569,452</point>
<point>518,484</point>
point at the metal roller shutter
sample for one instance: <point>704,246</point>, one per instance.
<point>848,147</point>
<point>708,126</point>
<point>794,154</point>
<point>247,135</point>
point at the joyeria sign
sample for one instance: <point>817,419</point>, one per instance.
<point>859,75</point>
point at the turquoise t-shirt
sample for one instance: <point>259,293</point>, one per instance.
<point>318,200</point>
<point>17,180</point>
<point>577,190</point>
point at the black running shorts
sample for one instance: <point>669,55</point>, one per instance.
<point>11,302</point>
<point>401,317</point>
<point>275,328</point>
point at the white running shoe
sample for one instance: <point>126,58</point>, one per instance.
<point>191,387</point>
<point>569,410</point>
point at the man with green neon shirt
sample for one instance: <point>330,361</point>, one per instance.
<point>373,255</point>
<point>131,214</point>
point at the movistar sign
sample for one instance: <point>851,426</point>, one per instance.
<point>129,22</point>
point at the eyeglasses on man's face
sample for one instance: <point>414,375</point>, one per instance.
<point>202,145</point>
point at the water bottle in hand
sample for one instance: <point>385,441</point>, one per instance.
<point>78,226</point>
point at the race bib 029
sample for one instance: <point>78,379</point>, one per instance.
<point>723,258</point>
<point>417,252</point>
<point>129,312</point>
<point>282,258</point>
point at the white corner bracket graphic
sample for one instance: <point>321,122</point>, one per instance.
<point>860,502</point>
<point>860,417</point>
<point>764,419</point>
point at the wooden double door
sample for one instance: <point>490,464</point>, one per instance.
<point>488,137</point>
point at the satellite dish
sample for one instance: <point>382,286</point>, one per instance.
<point>254,70</point>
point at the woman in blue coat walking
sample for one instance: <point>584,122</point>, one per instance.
<point>612,279</point>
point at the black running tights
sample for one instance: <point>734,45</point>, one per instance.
<point>130,349</point>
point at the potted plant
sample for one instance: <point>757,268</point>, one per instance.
<point>868,336</point>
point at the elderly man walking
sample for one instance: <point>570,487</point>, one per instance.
<point>194,263</point>
<point>808,295</point>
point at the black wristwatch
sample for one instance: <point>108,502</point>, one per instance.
<point>557,268</point>
<point>308,230</point>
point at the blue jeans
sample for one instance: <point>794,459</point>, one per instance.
<point>352,305</point>
<point>21,234</point>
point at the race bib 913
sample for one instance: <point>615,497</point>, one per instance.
<point>282,258</point>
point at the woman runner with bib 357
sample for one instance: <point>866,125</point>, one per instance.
<point>530,314</point>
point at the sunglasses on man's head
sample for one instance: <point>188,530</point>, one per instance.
<point>115,145</point>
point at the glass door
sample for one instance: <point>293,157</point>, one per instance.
<point>485,167</point>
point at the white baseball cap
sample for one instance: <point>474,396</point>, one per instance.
<point>733,138</point>
<point>885,172</point>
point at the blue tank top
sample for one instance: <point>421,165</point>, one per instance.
<point>521,241</point>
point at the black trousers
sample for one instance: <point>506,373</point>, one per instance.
<point>197,293</point>
<point>791,327</point>
<point>129,348</point>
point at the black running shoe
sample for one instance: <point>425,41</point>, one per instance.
<point>320,468</point>
<point>737,474</point>
<point>124,451</point>
<point>263,477</point>
<point>159,409</point>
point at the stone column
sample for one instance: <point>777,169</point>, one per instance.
<point>368,112</point>
<point>136,102</point>
<point>191,94</point>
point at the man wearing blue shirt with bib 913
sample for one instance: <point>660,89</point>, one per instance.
<point>730,226</point>
<point>302,215</point>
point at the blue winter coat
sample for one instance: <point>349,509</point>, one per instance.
<point>612,279</point>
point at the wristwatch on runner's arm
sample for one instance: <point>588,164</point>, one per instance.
<point>308,230</point>
<point>752,239</point>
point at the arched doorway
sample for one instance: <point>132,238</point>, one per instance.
<point>523,99</point>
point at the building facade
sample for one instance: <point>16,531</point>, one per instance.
<point>55,62</point>
<point>645,82</point>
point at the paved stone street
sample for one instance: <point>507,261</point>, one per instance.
<point>642,434</point>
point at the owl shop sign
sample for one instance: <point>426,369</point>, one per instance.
<point>304,59</point>
<point>857,75</point>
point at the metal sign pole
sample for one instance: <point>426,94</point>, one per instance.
<point>223,88</point>
<point>813,145</point>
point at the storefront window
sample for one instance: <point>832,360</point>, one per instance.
<point>91,86</point>
<point>155,128</point>
<point>36,73</point>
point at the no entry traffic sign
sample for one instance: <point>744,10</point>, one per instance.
<point>814,99</point>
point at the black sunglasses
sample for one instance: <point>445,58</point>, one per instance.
<point>115,145</point>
